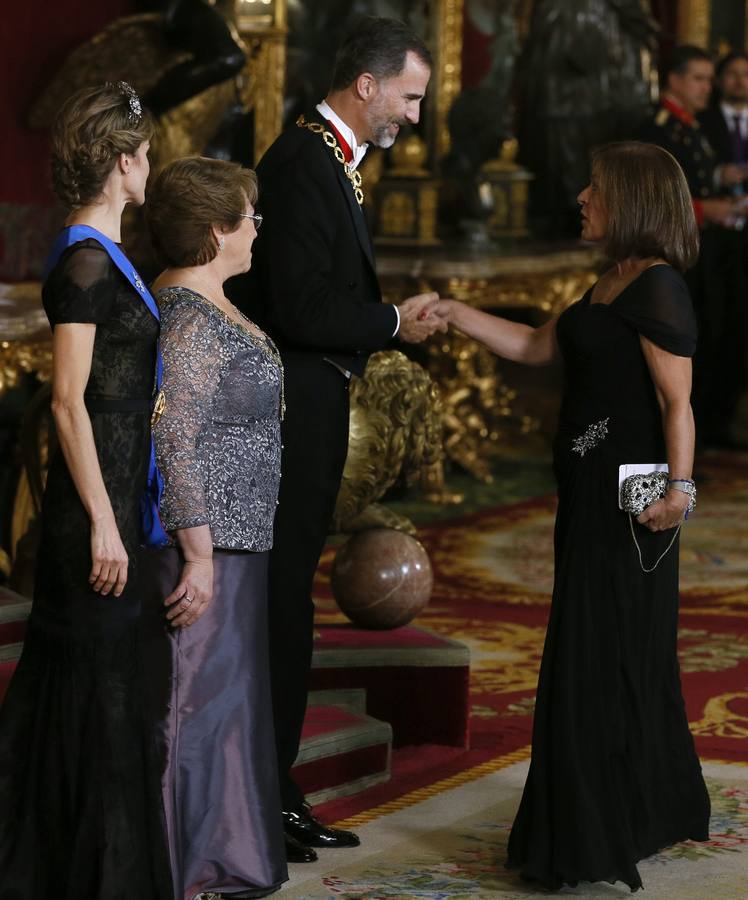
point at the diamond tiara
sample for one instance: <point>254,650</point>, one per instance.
<point>127,91</point>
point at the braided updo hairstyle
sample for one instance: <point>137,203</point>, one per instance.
<point>92,128</point>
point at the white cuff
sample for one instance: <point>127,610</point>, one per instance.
<point>397,327</point>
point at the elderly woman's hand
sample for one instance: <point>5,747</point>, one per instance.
<point>666,513</point>
<point>192,596</point>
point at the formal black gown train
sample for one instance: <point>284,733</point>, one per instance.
<point>79,788</point>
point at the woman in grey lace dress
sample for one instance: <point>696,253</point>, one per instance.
<point>218,448</point>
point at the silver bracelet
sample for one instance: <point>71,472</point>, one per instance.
<point>685,486</point>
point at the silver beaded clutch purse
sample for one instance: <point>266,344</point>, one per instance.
<point>640,491</point>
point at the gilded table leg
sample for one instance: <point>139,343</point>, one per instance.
<point>477,404</point>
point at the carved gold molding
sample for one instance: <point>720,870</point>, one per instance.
<point>694,22</point>
<point>479,408</point>
<point>18,357</point>
<point>449,67</point>
<point>395,433</point>
<point>264,77</point>
<point>548,281</point>
<point>252,15</point>
<point>548,293</point>
<point>263,88</point>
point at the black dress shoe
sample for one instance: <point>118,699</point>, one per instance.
<point>298,852</point>
<point>302,825</point>
<point>250,894</point>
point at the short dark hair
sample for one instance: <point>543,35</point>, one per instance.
<point>187,199</point>
<point>728,60</point>
<point>678,59</point>
<point>379,46</point>
<point>648,204</point>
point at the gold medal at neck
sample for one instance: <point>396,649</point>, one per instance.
<point>329,138</point>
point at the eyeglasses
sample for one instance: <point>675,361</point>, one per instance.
<point>255,217</point>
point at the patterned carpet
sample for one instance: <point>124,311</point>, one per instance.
<point>452,846</point>
<point>493,577</point>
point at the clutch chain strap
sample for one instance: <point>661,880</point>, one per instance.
<point>639,549</point>
<point>353,175</point>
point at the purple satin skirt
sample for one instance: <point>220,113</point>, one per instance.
<point>210,697</point>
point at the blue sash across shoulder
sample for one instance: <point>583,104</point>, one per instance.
<point>153,531</point>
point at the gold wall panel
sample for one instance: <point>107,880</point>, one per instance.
<point>693,22</point>
<point>264,29</point>
<point>449,68</point>
<point>479,408</point>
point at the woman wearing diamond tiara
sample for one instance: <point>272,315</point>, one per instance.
<point>79,794</point>
<point>218,446</point>
<point>614,775</point>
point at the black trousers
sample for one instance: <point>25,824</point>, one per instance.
<point>719,289</point>
<point>315,443</point>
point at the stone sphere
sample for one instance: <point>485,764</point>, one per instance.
<point>382,578</point>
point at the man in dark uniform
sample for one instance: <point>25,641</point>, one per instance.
<point>725,121</point>
<point>313,286</point>
<point>717,282</point>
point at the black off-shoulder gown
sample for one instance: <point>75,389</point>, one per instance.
<point>614,774</point>
<point>79,792</point>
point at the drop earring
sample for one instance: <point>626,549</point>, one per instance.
<point>221,243</point>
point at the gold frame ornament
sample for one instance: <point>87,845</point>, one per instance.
<point>263,26</point>
<point>695,26</point>
<point>694,21</point>
<point>448,69</point>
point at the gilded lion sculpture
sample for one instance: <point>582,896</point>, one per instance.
<point>395,433</point>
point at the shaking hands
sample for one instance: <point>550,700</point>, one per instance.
<point>421,316</point>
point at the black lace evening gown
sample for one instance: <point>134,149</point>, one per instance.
<point>79,791</point>
<point>614,774</point>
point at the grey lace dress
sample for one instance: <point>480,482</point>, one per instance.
<point>218,448</point>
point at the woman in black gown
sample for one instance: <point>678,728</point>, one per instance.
<point>79,792</point>
<point>614,775</point>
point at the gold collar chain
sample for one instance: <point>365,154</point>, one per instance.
<point>353,175</point>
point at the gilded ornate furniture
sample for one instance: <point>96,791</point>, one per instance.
<point>509,186</point>
<point>24,335</point>
<point>395,433</point>
<point>406,197</point>
<point>25,349</point>
<point>263,27</point>
<point>477,404</point>
<point>712,25</point>
<point>135,49</point>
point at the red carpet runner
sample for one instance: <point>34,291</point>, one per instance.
<point>493,575</point>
